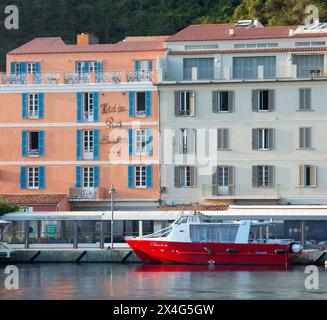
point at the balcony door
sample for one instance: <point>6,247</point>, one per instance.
<point>223,181</point>
<point>88,142</point>
<point>88,183</point>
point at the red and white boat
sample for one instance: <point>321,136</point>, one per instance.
<point>196,239</point>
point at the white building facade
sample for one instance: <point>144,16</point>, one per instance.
<point>243,115</point>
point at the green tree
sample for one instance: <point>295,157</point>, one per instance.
<point>6,207</point>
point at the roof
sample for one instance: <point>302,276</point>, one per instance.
<point>263,50</point>
<point>195,207</point>
<point>57,45</point>
<point>214,32</point>
<point>33,200</point>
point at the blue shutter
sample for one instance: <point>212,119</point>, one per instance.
<point>86,67</point>
<point>79,146</point>
<point>131,104</point>
<point>131,177</point>
<point>96,177</point>
<point>41,143</point>
<point>24,105</point>
<point>149,142</point>
<point>96,106</point>
<point>148,104</point>
<point>41,105</point>
<point>24,143</point>
<point>37,74</point>
<point>12,67</point>
<point>99,71</point>
<point>22,67</point>
<point>41,177</point>
<point>131,142</point>
<point>149,178</point>
<point>78,177</point>
<point>137,65</point>
<point>79,106</point>
<point>96,145</point>
<point>23,178</point>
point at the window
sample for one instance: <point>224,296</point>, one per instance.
<point>146,65</point>
<point>140,107</point>
<point>93,67</point>
<point>247,67</point>
<point>88,143</point>
<point>16,68</point>
<point>88,107</point>
<point>213,233</point>
<point>30,67</point>
<point>33,178</point>
<point>184,142</point>
<point>185,177</point>
<point>263,176</point>
<point>310,44</point>
<point>223,181</point>
<point>223,139</point>
<point>33,105</point>
<point>33,143</point>
<point>255,45</point>
<point>263,100</point>
<point>205,68</point>
<point>79,67</point>
<point>305,99</point>
<point>140,177</point>
<point>308,176</point>
<point>309,66</point>
<point>140,142</point>
<point>263,139</point>
<point>184,103</point>
<point>88,177</point>
<point>223,101</point>
<point>204,47</point>
<point>305,138</point>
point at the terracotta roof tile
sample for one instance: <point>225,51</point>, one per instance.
<point>57,45</point>
<point>226,51</point>
<point>214,32</point>
<point>37,199</point>
<point>195,207</point>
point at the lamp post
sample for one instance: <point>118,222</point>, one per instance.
<point>112,193</point>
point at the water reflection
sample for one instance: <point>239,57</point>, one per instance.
<point>146,282</point>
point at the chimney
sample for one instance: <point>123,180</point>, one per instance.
<point>257,23</point>
<point>231,32</point>
<point>85,39</point>
<point>291,33</point>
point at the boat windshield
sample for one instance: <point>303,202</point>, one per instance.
<point>214,233</point>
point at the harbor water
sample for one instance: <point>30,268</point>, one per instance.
<point>147,282</point>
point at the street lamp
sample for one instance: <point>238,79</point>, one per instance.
<point>112,193</point>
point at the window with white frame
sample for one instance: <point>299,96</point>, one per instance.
<point>93,67</point>
<point>88,177</point>
<point>140,108</point>
<point>185,177</point>
<point>88,143</point>
<point>310,44</point>
<point>33,105</point>
<point>140,177</point>
<point>263,139</point>
<point>256,45</point>
<point>263,100</point>
<point>202,47</point>
<point>146,65</point>
<point>33,143</point>
<point>140,141</point>
<point>222,101</point>
<point>33,178</point>
<point>16,68</point>
<point>88,107</point>
<point>263,176</point>
<point>30,67</point>
<point>79,67</point>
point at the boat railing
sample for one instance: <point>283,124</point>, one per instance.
<point>161,233</point>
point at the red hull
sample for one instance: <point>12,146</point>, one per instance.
<point>212,253</point>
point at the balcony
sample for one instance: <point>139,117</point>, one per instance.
<point>244,191</point>
<point>114,78</point>
<point>230,74</point>
<point>89,194</point>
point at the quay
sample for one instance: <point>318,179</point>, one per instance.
<point>121,255</point>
